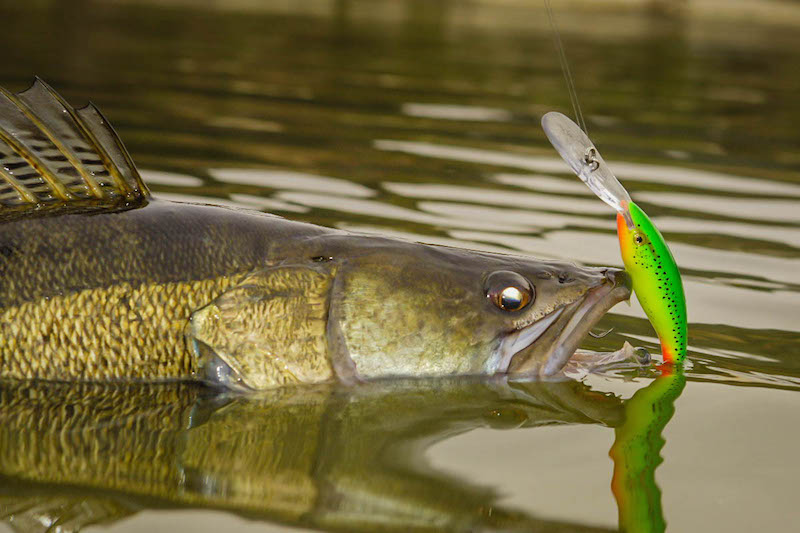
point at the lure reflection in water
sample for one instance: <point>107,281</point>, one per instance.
<point>324,458</point>
<point>637,452</point>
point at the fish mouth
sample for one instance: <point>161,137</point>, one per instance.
<point>214,371</point>
<point>544,347</point>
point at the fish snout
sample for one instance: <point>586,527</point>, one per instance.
<point>618,278</point>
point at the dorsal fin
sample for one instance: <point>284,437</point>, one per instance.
<point>53,156</point>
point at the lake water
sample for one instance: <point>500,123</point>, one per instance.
<point>420,119</point>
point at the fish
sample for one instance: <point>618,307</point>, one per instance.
<point>101,281</point>
<point>321,457</point>
<point>656,278</point>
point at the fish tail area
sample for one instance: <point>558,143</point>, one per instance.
<point>55,156</point>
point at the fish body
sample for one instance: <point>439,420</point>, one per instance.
<point>182,291</point>
<point>656,281</point>
<point>109,295</point>
<point>99,281</point>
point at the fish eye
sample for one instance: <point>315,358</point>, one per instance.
<point>639,238</point>
<point>509,291</point>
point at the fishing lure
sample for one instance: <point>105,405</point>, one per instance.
<point>654,273</point>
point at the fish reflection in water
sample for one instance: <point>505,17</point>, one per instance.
<point>323,457</point>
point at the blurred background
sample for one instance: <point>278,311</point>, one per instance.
<point>420,119</point>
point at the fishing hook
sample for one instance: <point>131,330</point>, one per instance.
<point>601,335</point>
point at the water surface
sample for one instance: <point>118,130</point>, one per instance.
<point>421,120</point>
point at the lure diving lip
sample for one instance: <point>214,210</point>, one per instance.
<point>654,273</point>
<point>577,150</point>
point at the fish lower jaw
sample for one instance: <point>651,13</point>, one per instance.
<point>544,348</point>
<point>214,372</point>
<point>520,340</point>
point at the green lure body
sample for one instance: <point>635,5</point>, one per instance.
<point>656,281</point>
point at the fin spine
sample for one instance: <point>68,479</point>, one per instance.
<point>141,186</point>
<point>88,135</point>
<point>91,183</point>
<point>17,186</point>
<point>58,189</point>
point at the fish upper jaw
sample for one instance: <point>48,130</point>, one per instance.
<point>544,347</point>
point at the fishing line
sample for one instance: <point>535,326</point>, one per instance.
<point>562,57</point>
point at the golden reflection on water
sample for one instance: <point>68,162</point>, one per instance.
<point>399,455</point>
<point>350,458</point>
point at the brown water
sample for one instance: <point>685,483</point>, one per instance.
<point>420,119</point>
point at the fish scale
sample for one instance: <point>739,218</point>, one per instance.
<point>140,338</point>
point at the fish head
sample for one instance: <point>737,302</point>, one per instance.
<point>403,308</point>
